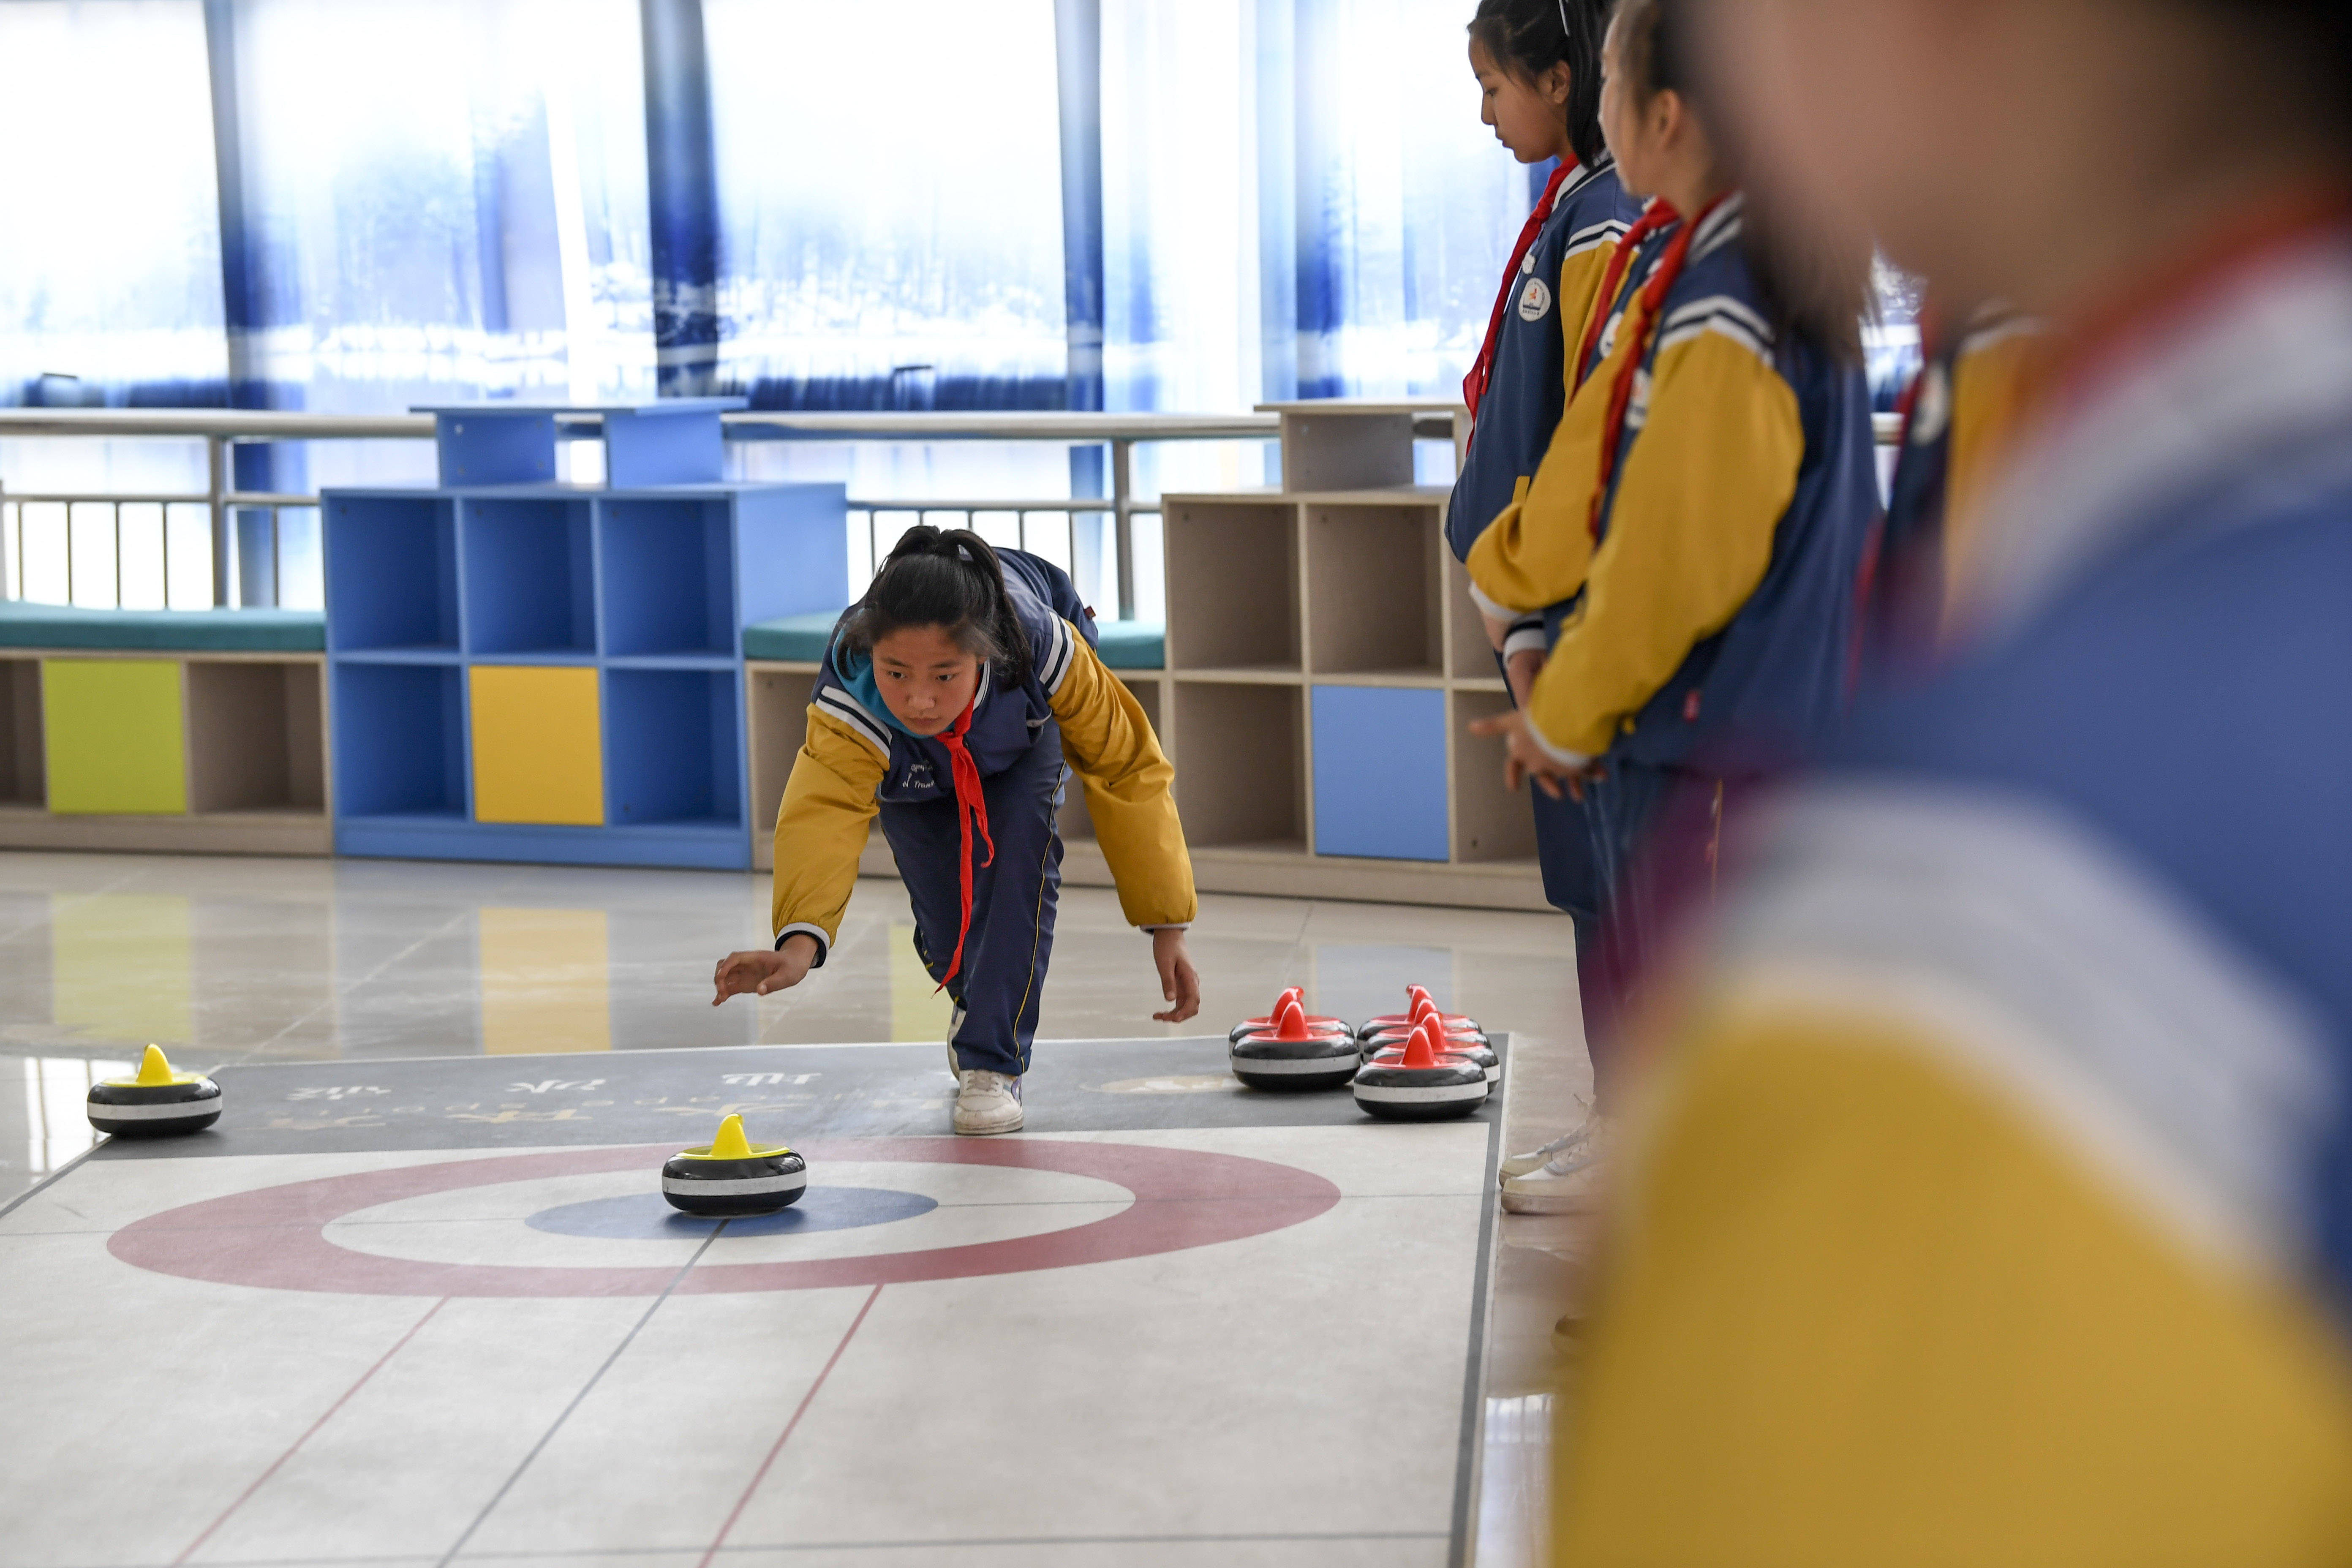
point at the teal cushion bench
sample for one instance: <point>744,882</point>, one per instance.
<point>171,631</point>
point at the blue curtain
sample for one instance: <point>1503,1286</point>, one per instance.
<point>353,204</point>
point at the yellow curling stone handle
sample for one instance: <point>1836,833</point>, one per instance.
<point>728,1145</point>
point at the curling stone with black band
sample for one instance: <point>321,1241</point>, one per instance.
<point>1387,1049</point>
<point>155,1102</point>
<point>1294,996</point>
<point>734,1176</point>
<point>1418,1003</point>
<point>1424,1084</point>
<point>1293,1056</point>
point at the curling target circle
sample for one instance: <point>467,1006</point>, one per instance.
<point>276,1237</point>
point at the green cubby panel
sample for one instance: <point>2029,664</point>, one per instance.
<point>116,736</point>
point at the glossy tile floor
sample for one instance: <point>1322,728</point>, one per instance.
<point>238,961</point>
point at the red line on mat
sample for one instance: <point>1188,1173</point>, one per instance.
<point>785,1436</point>
<point>245,1496</point>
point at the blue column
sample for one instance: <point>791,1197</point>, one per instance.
<point>241,544</point>
<point>682,186</point>
<point>1077,58</point>
<point>1278,198</point>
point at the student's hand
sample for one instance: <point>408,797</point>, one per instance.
<point>759,973</point>
<point>1178,981</point>
<point>1526,760</point>
<point>1495,630</point>
<point>1520,671</point>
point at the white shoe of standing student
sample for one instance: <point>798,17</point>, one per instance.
<point>1536,1159</point>
<point>987,1102</point>
<point>1567,1183</point>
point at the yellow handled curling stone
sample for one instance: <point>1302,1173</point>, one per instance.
<point>734,1176</point>
<point>155,1103</point>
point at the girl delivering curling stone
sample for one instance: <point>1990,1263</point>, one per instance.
<point>955,698</point>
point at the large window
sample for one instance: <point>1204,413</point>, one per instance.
<point>889,202</point>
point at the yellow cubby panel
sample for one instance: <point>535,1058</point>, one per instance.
<point>539,747</point>
<point>115,735</point>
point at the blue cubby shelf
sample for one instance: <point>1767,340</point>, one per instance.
<point>652,585</point>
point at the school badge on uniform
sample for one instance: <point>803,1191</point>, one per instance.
<point>1535,299</point>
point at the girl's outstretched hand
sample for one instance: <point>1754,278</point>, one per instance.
<point>759,973</point>
<point>1178,981</point>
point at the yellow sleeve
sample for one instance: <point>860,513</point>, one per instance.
<point>1690,535</point>
<point>1860,1310</point>
<point>1581,273</point>
<point>1128,785</point>
<point>1989,377</point>
<point>821,827</point>
<point>1538,550</point>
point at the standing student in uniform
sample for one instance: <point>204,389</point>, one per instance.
<point>1538,68</point>
<point>957,698</point>
<point>1992,1202</point>
<point>1720,455</point>
<point>1957,417</point>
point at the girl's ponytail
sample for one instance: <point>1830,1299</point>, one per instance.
<point>949,578</point>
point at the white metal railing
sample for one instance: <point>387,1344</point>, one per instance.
<point>222,430</point>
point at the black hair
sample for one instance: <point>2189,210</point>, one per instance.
<point>1815,271</point>
<point>949,578</point>
<point>1528,37</point>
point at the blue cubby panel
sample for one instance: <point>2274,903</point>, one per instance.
<point>1379,771</point>
<point>400,741</point>
<point>492,445</point>
<point>673,746</point>
<point>665,446</point>
<point>795,551</point>
<point>530,576</point>
<point>669,567</point>
<point>392,571</point>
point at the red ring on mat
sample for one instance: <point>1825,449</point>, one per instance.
<point>275,1237</point>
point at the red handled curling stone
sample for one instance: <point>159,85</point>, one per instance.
<point>1272,1019</point>
<point>1453,1028</point>
<point>1293,1056</point>
<point>1418,1001</point>
<point>1423,1085</point>
<point>1388,1049</point>
<point>155,1103</point>
<point>734,1176</point>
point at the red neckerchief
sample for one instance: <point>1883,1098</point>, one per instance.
<point>1652,298</point>
<point>1655,216</point>
<point>1473,385</point>
<point>972,810</point>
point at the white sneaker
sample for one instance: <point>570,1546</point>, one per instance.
<point>1536,1159</point>
<point>1567,1183</point>
<point>987,1102</point>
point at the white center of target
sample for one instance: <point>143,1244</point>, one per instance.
<point>485,1225</point>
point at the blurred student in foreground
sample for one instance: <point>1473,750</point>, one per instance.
<point>1992,1200</point>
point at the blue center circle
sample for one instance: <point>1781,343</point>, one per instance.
<point>648,1216</point>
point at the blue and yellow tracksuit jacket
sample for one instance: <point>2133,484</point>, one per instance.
<point>1960,415</point>
<point>1719,574</point>
<point>1071,714</point>
<point>1993,1199</point>
<point>1527,390</point>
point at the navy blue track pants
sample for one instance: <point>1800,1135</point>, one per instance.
<point>1013,901</point>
